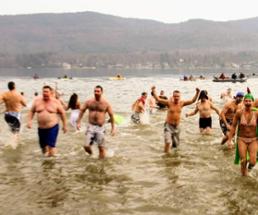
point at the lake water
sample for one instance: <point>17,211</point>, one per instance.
<point>198,178</point>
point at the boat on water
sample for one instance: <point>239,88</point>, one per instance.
<point>65,77</point>
<point>241,80</point>
<point>117,77</point>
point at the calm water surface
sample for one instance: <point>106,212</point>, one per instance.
<point>198,178</point>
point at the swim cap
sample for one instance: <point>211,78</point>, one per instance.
<point>249,96</point>
<point>240,94</point>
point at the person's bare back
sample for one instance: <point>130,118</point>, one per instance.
<point>13,101</point>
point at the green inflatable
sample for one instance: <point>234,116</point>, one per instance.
<point>237,156</point>
<point>119,119</point>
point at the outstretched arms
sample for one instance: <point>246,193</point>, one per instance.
<point>189,102</point>
<point>162,101</point>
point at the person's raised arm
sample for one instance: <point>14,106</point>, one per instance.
<point>189,102</point>
<point>157,98</point>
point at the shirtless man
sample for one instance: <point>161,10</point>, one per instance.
<point>227,115</point>
<point>138,107</point>
<point>98,107</point>
<point>171,127</point>
<point>13,103</point>
<point>246,119</point>
<point>162,96</point>
<point>204,107</point>
<point>48,109</point>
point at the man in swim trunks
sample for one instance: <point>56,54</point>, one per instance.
<point>246,119</point>
<point>14,102</point>
<point>171,127</point>
<point>48,110</point>
<point>227,114</point>
<point>204,107</point>
<point>98,107</point>
<point>162,96</point>
<point>139,107</point>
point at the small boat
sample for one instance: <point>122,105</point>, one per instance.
<point>117,78</point>
<point>241,80</point>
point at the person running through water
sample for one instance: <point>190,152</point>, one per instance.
<point>14,102</point>
<point>74,104</point>
<point>204,107</point>
<point>227,115</point>
<point>171,126</point>
<point>152,104</point>
<point>162,96</point>
<point>48,109</point>
<point>246,120</point>
<point>138,108</point>
<point>98,107</point>
<point>226,96</point>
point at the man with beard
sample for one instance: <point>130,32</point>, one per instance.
<point>171,126</point>
<point>227,115</point>
<point>47,108</point>
<point>246,120</point>
<point>98,107</point>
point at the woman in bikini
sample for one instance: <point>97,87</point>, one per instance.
<point>246,119</point>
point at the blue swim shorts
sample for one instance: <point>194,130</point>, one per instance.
<point>48,136</point>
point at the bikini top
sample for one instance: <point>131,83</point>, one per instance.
<point>252,122</point>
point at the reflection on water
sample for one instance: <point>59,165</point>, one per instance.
<point>198,178</point>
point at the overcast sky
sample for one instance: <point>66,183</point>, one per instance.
<point>169,11</point>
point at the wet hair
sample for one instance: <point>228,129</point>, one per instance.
<point>144,94</point>
<point>203,94</point>
<point>152,93</point>
<point>100,87</point>
<point>11,85</point>
<point>47,87</point>
<point>176,91</point>
<point>73,101</point>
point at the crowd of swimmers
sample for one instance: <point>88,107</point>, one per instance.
<point>239,112</point>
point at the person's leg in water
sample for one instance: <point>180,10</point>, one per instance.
<point>50,151</point>
<point>100,139</point>
<point>89,140</point>
<point>102,152</point>
<point>252,149</point>
<point>167,141</point>
<point>242,147</point>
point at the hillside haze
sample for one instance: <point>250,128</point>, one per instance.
<point>53,38</point>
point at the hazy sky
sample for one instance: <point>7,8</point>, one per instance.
<point>170,11</point>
